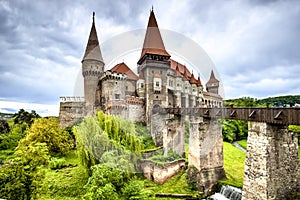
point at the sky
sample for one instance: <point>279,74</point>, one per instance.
<point>254,45</point>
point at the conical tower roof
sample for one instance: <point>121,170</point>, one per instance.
<point>185,76</point>
<point>92,51</point>
<point>193,80</point>
<point>212,78</point>
<point>199,81</point>
<point>153,43</point>
<point>177,72</point>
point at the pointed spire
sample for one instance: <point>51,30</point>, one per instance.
<point>153,43</point>
<point>212,78</point>
<point>92,51</point>
<point>177,72</point>
<point>185,76</point>
<point>193,80</point>
<point>199,81</point>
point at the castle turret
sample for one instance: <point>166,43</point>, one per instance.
<point>154,64</point>
<point>212,84</point>
<point>92,69</point>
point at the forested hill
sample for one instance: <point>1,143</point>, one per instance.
<point>281,101</point>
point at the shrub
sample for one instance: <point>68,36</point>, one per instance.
<point>57,163</point>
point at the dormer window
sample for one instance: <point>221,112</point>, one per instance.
<point>157,83</point>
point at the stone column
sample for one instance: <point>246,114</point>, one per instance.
<point>272,163</point>
<point>206,154</point>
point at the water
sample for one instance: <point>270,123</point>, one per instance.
<point>227,193</point>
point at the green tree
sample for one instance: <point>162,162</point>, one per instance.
<point>233,130</point>
<point>21,177</point>
<point>10,140</point>
<point>47,130</point>
<point>23,116</point>
<point>4,126</point>
<point>110,183</point>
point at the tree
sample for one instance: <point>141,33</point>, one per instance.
<point>25,117</point>
<point>234,130</point>
<point>4,126</point>
<point>110,183</point>
<point>10,140</point>
<point>47,130</point>
<point>20,177</point>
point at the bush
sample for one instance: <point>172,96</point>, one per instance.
<point>57,163</point>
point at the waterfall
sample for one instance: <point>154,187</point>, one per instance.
<point>227,193</point>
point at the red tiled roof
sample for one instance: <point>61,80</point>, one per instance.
<point>193,80</point>
<point>179,67</point>
<point>124,69</point>
<point>177,73</point>
<point>185,76</point>
<point>199,82</point>
<point>153,43</point>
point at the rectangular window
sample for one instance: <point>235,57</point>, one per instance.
<point>117,96</point>
<point>157,83</point>
<point>142,85</point>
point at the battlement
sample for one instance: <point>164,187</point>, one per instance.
<point>113,75</point>
<point>134,100</point>
<point>71,99</point>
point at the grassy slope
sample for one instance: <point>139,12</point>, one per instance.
<point>243,143</point>
<point>176,185</point>
<point>66,183</point>
<point>234,160</point>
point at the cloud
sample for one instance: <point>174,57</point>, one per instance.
<point>252,43</point>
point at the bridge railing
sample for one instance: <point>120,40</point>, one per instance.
<point>269,115</point>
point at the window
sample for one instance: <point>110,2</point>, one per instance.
<point>142,85</point>
<point>117,96</point>
<point>126,87</point>
<point>157,83</point>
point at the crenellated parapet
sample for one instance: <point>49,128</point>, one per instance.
<point>113,76</point>
<point>135,100</point>
<point>71,99</point>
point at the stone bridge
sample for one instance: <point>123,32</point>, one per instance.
<point>272,169</point>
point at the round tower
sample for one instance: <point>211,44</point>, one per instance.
<point>92,69</point>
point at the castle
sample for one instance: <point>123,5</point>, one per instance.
<point>160,82</point>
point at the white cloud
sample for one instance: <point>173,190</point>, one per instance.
<point>42,109</point>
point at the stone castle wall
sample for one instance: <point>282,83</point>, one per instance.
<point>272,169</point>
<point>205,154</point>
<point>160,174</point>
<point>70,111</point>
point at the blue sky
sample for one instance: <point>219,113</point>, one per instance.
<point>253,44</point>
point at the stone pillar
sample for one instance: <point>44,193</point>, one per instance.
<point>272,163</point>
<point>206,154</point>
<point>173,135</point>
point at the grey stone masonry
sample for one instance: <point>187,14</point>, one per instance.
<point>272,164</point>
<point>206,153</point>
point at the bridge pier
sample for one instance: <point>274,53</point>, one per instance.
<point>272,163</point>
<point>205,153</point>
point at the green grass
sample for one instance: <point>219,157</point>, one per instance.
<point>234,160</point>
<point>243,143</point>
<point>66,183</point>
<point>176,185</point>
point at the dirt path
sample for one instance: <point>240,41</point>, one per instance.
<point>238,146</point>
